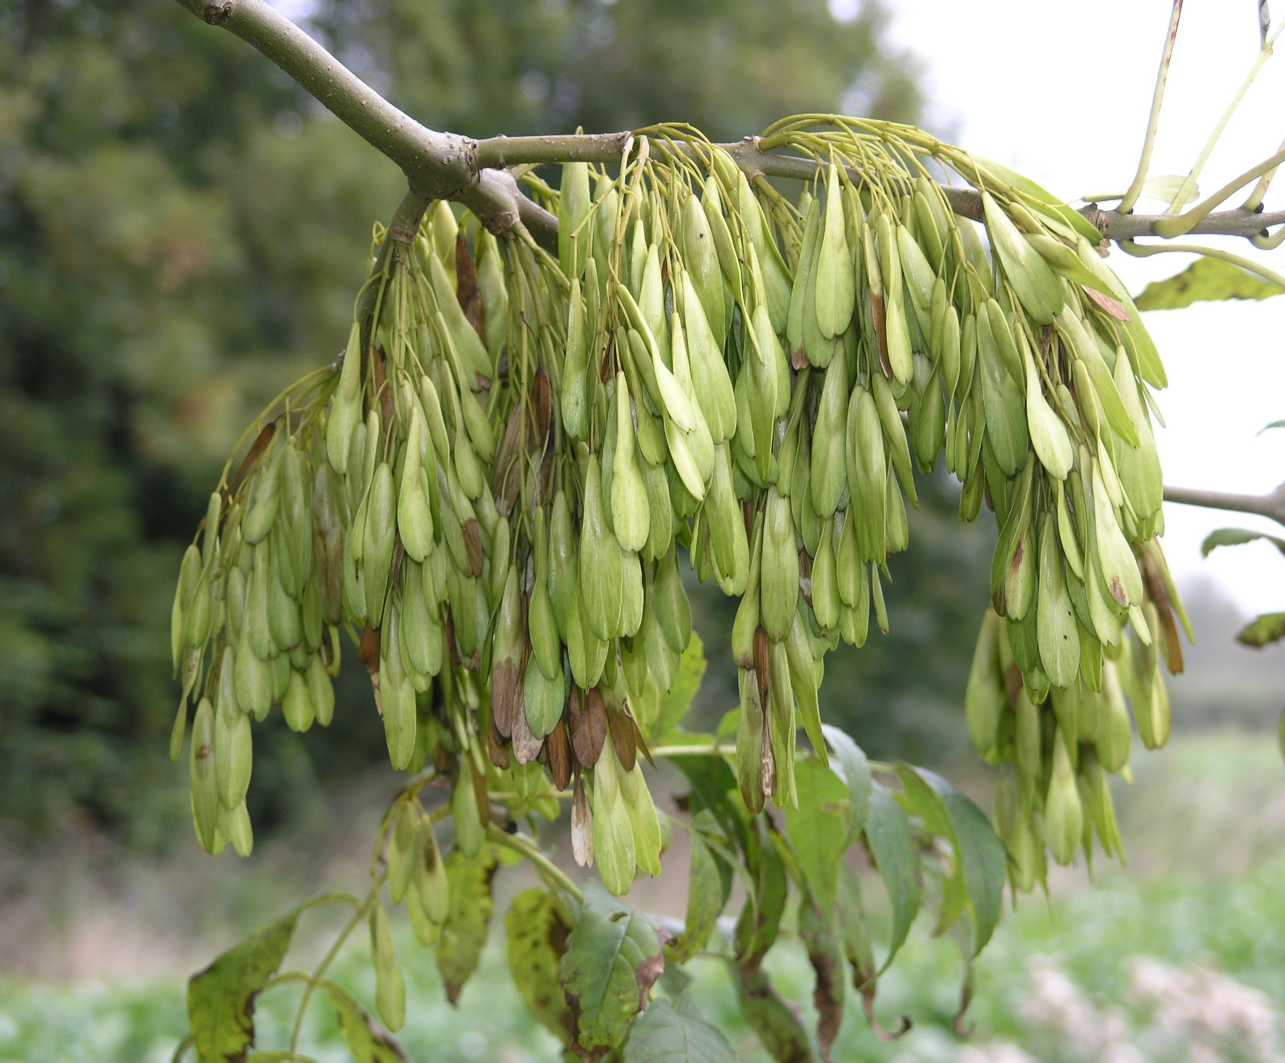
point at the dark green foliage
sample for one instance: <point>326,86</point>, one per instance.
<point>728,68</point>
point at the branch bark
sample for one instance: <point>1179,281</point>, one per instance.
<point>606,148</point>
<point>468,171</point>
<point>437,165</point>
<point>1270,505</point>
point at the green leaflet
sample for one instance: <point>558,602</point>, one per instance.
<point>712,783</point>
<point>1205,279</point>
<point>979,854</point>
<point>613,957</point>
<point>818,828</point>
<point>857,948</point>
<point>535,931</point>
<point>1237,537</point>
<point>892,844</point>
<point>1263,630</point>
<point>464,933</point>
<point>676,1033</point>
<point>367,1042</point>
<point>220,999</point>
<point>853,767</point>
<point>709,885</point>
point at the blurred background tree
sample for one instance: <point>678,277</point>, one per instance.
<point>179,236</point>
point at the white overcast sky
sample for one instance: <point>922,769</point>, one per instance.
<point>1061,92</point>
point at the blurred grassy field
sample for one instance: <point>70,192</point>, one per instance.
<point>1181,956</point>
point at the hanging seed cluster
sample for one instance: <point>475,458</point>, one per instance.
<point>491,492</point>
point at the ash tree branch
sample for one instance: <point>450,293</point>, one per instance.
<point>605,148</point>
<point>437,165</point>
<point>1270,505</point>
<point>468,171</point>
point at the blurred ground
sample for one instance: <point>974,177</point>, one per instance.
<point>1179,956</point>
